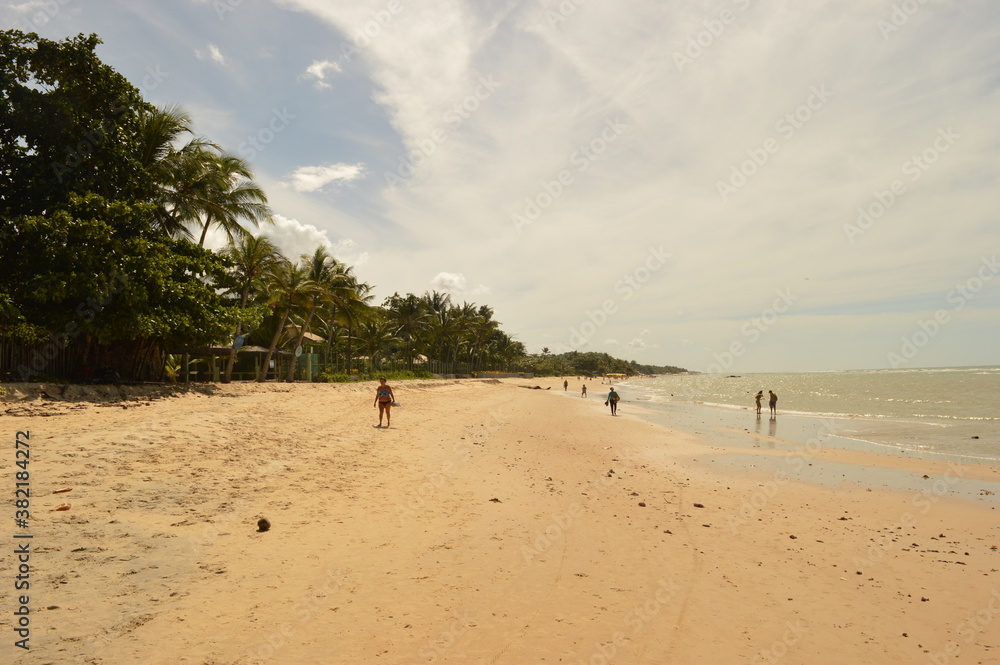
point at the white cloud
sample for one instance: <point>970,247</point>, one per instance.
<point>314,178</point>
<point>294,239</point>
<point>320,70</point>
<point>449,282</point>
<point>456,285</point>
<point>213,53</point>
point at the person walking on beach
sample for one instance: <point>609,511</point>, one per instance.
<point>613,401</point>
<point>565,385</point>
<point>759,396</point>
<point>384,398</point>
<point>772,402</point>
<point>584,390</point>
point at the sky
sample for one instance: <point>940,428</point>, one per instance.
<point>721,185</point>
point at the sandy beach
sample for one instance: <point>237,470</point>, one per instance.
<point>489,524</point>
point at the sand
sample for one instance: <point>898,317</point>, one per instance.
<point>489,524</point>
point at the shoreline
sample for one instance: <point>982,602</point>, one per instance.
<point>488,524</point>
<point>923,416</point>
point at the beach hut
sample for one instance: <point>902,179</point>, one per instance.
<point>216,355</point>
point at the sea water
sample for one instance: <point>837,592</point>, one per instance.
<point>951,412</point>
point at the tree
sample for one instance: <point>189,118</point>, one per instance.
<point>326,283</point>
<point>251,257</point>
<point>289,286</point>
<point>232,195</point>
<point>411,319</point>
<point>90,278</point>
<point>376,336</point>
<point>68,124</point>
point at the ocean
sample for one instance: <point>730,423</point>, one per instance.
<point>946,412</point>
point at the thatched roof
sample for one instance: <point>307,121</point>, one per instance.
<point>205,351</point>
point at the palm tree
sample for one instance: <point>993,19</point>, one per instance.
<point>327,283</point>
<point>289,285</point>
<point>465,320</point>
<point>160,133</point>
<point>252,257</point>
<point>411,319</point>
<point>196,183</point>
<point>482,329</point>
<point>441,325</point>
<point>376,336</point>
<point>230,195</point>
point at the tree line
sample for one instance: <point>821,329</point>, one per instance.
<point>105,205</point>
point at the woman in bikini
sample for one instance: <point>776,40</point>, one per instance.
<point>384,399</point>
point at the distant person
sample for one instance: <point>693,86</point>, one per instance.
<point>584,393</point>
<point>759,396</point>
<point>772,402</point>
<point>613,401</point>
<point>384,398</point>
<point>565,385</point>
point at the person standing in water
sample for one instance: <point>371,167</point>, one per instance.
<point>759,396</point>
<point>384,398</point>
<point>613,401</point>
<point>772,402</point>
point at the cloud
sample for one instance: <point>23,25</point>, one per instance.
<point>213,54</point>
<point>294,239</point>
<point>319,70</point>
<point>456,284</point>
<point>314,178</point>
<point>640,343</point>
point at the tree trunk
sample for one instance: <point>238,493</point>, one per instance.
<point>290,376</point>
<point>227,377</point>
<point>350,355</point>
<point>274,345</point>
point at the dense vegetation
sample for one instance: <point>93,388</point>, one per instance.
<point>105,203</point>
<point>575,363</point>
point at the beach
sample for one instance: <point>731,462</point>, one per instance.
<point>491,523</point>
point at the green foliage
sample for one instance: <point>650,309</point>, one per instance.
<point>68,123</point>
<point>73,270</point>
<point>575,363</point>
<point>394,375</point>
